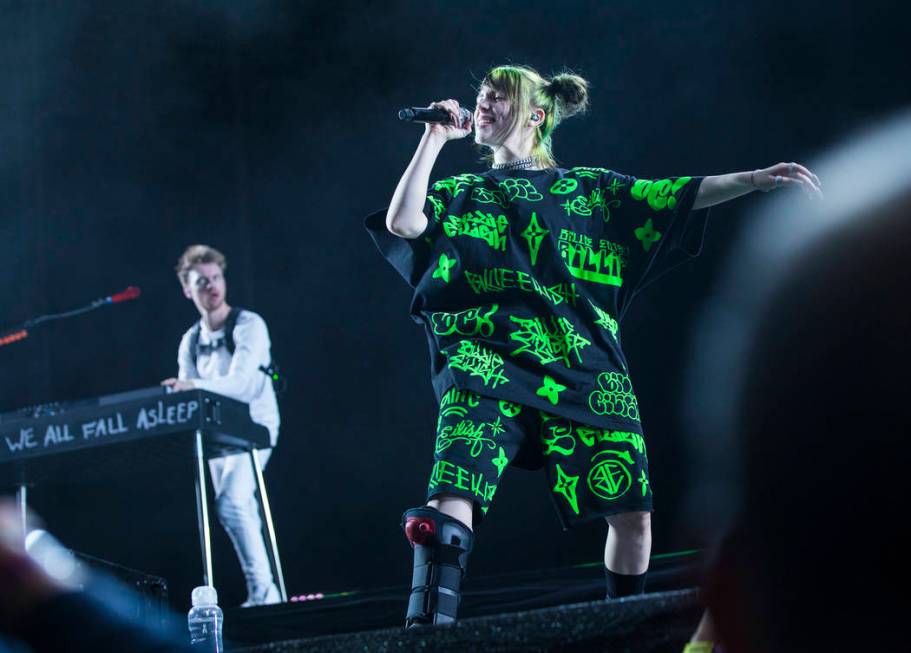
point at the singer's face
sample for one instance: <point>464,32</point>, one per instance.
<point>206,286</point>
<point>492,120</point>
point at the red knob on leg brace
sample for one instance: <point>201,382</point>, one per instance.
<point>419,530</point>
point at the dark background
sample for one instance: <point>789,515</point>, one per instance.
<point>268,130</point>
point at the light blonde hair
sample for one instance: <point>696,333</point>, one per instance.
<point>198,254</point>
<point>560,97</point>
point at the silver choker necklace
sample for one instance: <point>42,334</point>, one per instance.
<point>518,164</point>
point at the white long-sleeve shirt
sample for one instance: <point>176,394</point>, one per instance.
<point>237,376</point>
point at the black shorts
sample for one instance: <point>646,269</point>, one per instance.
<point>591,472</point>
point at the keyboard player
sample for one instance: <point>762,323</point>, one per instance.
<point>228,352</point>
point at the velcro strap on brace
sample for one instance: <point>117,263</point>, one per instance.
<point>441,547</point>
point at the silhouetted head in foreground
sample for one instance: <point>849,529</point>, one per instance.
<point>810,402</point>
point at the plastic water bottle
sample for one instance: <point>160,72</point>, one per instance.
<point>205,620</point>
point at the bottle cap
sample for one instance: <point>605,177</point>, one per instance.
<point>204,595</point>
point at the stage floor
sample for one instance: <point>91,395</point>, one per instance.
<point>553,609</point>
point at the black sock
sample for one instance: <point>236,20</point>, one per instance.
<point>623,584</point>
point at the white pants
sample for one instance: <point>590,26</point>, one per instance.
<point>234,480</point>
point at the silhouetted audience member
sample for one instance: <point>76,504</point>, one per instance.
<point>806,363</point>
<point>41,615</point>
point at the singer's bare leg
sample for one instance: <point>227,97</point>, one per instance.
<point>454,506</point>
<point>629,543</point>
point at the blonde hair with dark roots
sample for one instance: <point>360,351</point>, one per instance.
<point>198,254</point>
<point>560,97</point>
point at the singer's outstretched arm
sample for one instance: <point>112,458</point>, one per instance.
<point>405,216</point>
<point>721,188</point>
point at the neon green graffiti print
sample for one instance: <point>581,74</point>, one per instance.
<point>467,431</point>
<point>557,435</point>
<point>602,265</point>
<point>590,435</point>
<point>438,207</point>
<point>643,481</point>
<point>444,266</point>
<point>566,487</point>
<point>457,402</point>
<point>520,189</point>
<point>471,322</point>
<point>564,186</point>
<point>500,462</point>
<point>660,194</point>
<point>533,235</point>
<point>585,206</point>
<point>497,280</point>
<point>455,476</point>
<point>510,409</point>
<point>614,396</point>
<point>588,172</point>
<point>477,360</point>
<point>647,234</point>
<point>489,196</point>
<point>605,320</point>
<point>477,224</point>
<point>615,186</point>
<point>550,390</point>
<point>550,339</point>
<point>610,478</point>
<point>457,184</point>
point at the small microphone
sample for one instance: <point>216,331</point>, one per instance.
<point>423,114</point>
<point>132,292</point>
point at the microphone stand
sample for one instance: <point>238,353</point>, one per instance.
<point>21,331</point>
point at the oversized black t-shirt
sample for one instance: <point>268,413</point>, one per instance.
<point>522,277</point>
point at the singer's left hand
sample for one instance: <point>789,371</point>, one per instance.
<point>178,385</point>
<point>782,175</point>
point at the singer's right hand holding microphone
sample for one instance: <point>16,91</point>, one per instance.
<point>460,127</point>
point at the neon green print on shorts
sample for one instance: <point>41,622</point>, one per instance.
<point>643,481</point>
<point>447,473</point>
<point>469,432</point>
<point>510,409</point>
<point>559,435</point>
<point>660,194</point>
<point>610,478</point>
<point>457,402</point>
<point>500,462</point>
<point>566,487</point>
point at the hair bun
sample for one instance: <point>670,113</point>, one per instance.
<point>570,92</point>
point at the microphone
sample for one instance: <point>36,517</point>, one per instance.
<point>131,292</point>
<point>423,114</point>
